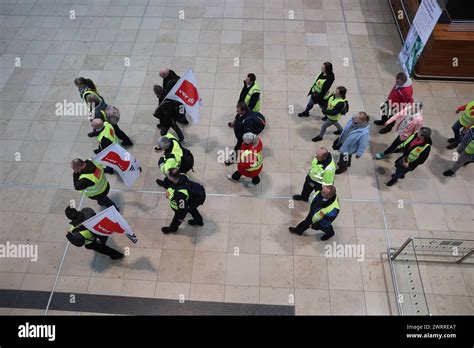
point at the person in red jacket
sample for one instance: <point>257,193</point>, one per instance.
<point>400,96</point>
<point>250,160</point>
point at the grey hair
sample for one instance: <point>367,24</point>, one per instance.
<point>250,138</point>
<point>164,142</point>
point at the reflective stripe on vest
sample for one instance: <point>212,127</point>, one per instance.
<point>320,214</point>
<point>170,194</point>
<point>332,102</point>
<point>90,91</point>
<point>99,180</point>
<point>467,117</point>
<point>470,148</point>
<point>107,132</point>
<point>257,158</point>
<point>317,171</point>
<point>255,89</point>
<point>318,86</point>
<point>88,235</point>
<point>416,152</point>
<point>173,161</point>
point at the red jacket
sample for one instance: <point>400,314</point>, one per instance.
<point>403,94</point>
<point>248,159</point>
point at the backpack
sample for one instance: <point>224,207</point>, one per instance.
<point>197,193</point>
<point>259,123</point>
<point>346,108</point>
<point>187,161</point>
<point>113,114</point>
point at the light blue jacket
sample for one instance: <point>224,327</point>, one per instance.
<point>357,140</point>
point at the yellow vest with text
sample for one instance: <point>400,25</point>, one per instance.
<point>170,194</point>
<point>416,151</point>
<point>467,117</point>
<point>318,86</point>
<point>99,180</point>
<point>332,102</point>
<point>88,235</point>
<point>107,132</point>
<point>255,89</point>
<point>323,176</point>
<point>320,214</point>
<point>174,160</point>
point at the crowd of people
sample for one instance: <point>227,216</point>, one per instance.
<point>399,114</point>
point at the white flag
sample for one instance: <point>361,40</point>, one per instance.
<point>108,222</point>
<point>121,161</point>
<point>185,91</point>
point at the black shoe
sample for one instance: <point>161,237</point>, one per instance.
<point>228,163</point>
<point>325,118</point>
<point>317,138</point>
<point>338,132</point>
<point>293,230</point>
<point>299,198</point>
<point>159,182</point>
<point>384,130</point>
<point>379,122</point>
<point>183,121</point>
<point>116,257</point>
<point>96,151</point>
<point>303,114</point>
<point>391,182</point>
<point>327,236</point>
<point>452,146</point>
<point>195,223</point>
<point>452,140</point>
<point>157,149</point>
<point>340,171</point>
<point>448,173</point>
<point>167,230</point>
<point>93,134</point>
<point>127,143</point>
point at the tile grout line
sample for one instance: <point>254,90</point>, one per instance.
<point>82,199</point>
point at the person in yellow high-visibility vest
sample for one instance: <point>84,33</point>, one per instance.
<point>322,213</point>
<point>250,93</point>
<point>335,107</point>
<point>416,150</point>
<point>465,152</point>
<point>320,89</point>
<point>89,178</point>
<point>466,120</point>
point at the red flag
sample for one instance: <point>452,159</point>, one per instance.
<point>108,226</point>
<point>114,158</point>
<point>188,93</point>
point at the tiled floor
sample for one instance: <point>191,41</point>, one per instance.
<point>244,252</point>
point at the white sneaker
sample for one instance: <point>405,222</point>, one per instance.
<point>250,184</point>
<point>229,177</point>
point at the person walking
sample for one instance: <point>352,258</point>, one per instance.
<point>250,162</point>
<point>89,178</point>
<point>170,78</point>
<point>407,122</point>
<point>465,151</point>
<point>184,196</point>
<point>398,99</point>
<point>168,112</point>
<point>333,109</point>
<point>80,236</point>
<point>322,213</point>
<point>321,173</point>
<point>354,139</point>
<point>244,122</point>
<point>416,150</point>
<point>466,120</point>
<point>320,89</point>
<point>250,93</point>
<point>173,153</point>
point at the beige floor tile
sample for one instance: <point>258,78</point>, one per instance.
<point>245,209</point>
<point>10,280</point>
<point>311,272</point>
<point>276,239</point>
<point>103,286</point>
<point>374,277</point>
<point>242,294</point>
<point>380,303</point>
<point>367,215</point>
<point>454,305</point>
<point>243,269</point>
<point>72,284</point>
<point>312,302</point>
<point>143,264</point>
<point>374,241</point>
<point>172,291</point>
<point>277,296</point>
<point>276,271</point>
<point>206,292</point>
<point>39,282</point>
<point>444,276</point>
<point>429,217</point>
<point>176,266</point>
<point>347,303</point>
<point>244,238</point>
<point>213,237</point>
<point>344,274</point>
<point>138,288</point>
<point>209,268</point>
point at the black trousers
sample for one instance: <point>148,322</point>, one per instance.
<point>102,248</point>
<point>400,171</point>
<point>393,146</point>
<point>194,213</point>
<point>329,230</point>
<point>121,134</point>
<point>237,176</point>
<point>309,186</point>
<point>345,161</point>
<point>307,223</point>
<point>105,202</point>
<point>179,133</point>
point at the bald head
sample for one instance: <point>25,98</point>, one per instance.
<point>164,72</point>
<point>322,153</point>
<point>328,191</point>
<point>77,165</point>
<point>97,123</point>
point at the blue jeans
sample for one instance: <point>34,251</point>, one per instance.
<point>310,105</point>
<point>457,131</point>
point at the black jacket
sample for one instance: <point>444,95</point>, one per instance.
<point>75,237</point>
<point>169,82</point>
<point>421,159</point>
<point>244,124</point>
<point>179,198</point>
<point>253,99</point>
<point>83,183</point>
<point>167,112</point>
<point>317,204</point>
<point>329,80</point>
<point>342,106</point>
